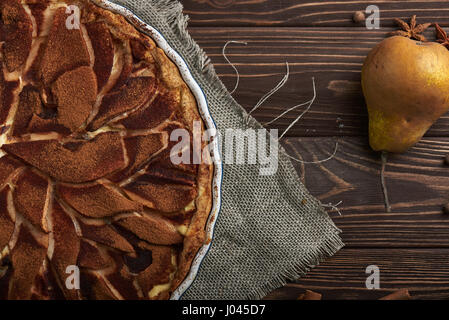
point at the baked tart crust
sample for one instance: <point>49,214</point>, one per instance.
<point>86,179</point>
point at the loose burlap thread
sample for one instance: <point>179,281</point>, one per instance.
<point>270,229</point>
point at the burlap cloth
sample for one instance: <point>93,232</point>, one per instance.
<point>266,233</point>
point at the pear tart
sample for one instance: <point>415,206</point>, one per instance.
<point>87,186</point>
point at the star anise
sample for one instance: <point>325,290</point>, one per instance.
<point>442,36</point>
<point>411,30</point>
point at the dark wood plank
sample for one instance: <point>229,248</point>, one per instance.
<point>307,13</point>
<point>418,182</point>
<point>333,56</point>
<point>424,272</point>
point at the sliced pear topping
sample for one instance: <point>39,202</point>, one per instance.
<point>140,150</point>
<point>16,30</point>
<point>7,167</point>
<point>134,95</point>
<point>98,201</point>
<point>94,287</point>
<point>107,235</point>
<point>158,272</point>
<point>103,48</point>
<point>122,280</point>
<point>30,197</point>
<point>66,49</point>
<point>157,194</point>
<point>162,108</point>
<point>66,247</point>
<point>91,257</point>
<point>27,258</point>
<point>29,103</point>
<point>76,93</point>
<point>7,89</point>
<point>74,163</point>
<point>38,12</point>
<point>151,228</point>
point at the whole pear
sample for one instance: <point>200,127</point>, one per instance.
<point>406,88</point>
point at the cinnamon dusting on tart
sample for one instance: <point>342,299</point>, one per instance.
<point>97,201</point>
<point>30,194</point>
<point>86,177</point>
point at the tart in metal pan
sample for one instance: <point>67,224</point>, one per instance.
<point>92,206</point>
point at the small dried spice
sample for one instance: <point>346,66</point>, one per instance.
<point>411,30</point>
<point>358,17</point>
<point>443,39</point>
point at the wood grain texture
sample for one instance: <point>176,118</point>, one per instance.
<point>424,272</point>
<point>418,182</point>
<point>320,40</point>
<point>333,56</point>
<point>307,13</point>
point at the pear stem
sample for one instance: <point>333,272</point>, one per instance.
<point>384,158</point>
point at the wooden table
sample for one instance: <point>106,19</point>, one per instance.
<point>320,40</point>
